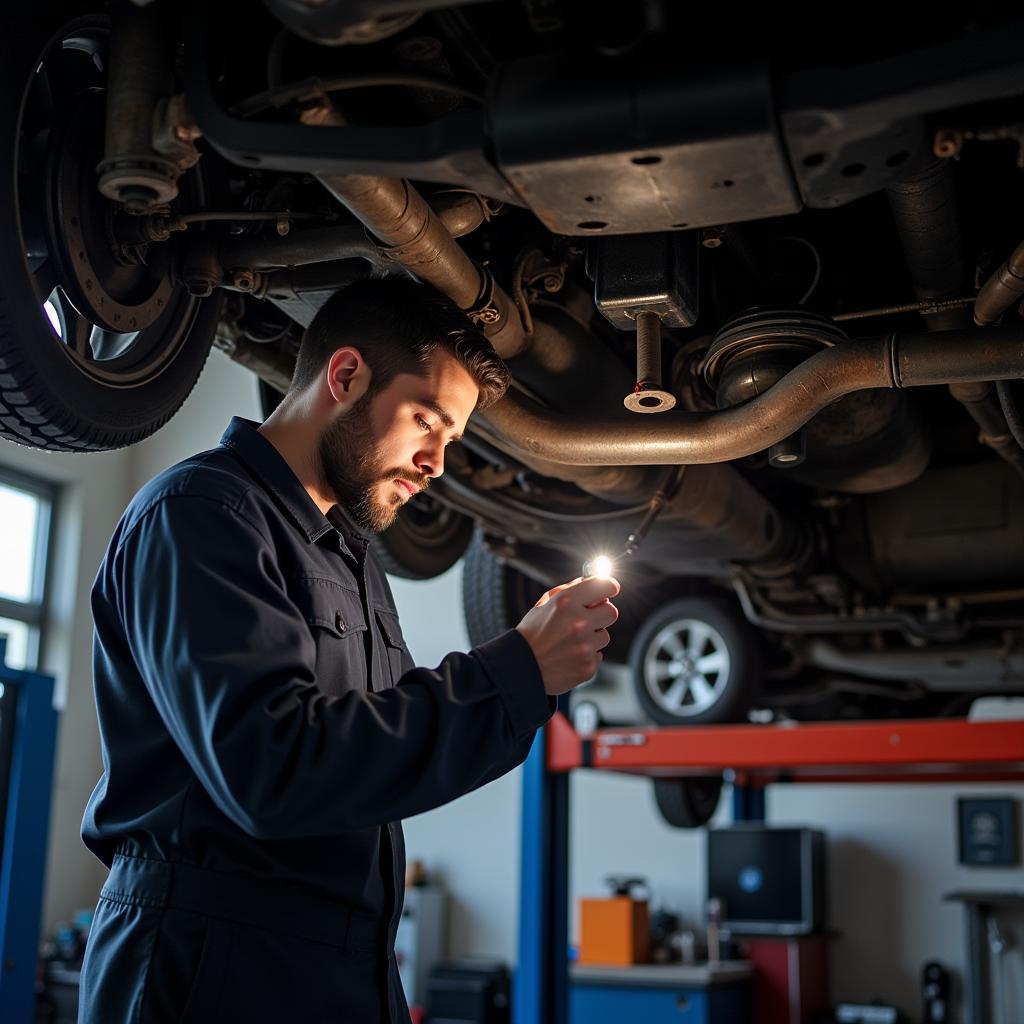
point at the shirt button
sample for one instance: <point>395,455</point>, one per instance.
<point>340,623</point>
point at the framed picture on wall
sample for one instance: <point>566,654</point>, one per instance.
<point>988,828</point>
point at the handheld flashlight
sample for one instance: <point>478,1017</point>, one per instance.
<point>599,565</point>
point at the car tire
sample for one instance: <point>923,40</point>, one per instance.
<point>495,596</point>
<point>694,662</point>
<point>69,379</point>
<point>688,802</point>
<point>426,539</point>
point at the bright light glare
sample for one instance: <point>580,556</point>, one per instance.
<point>19,514</point>
<point>601,566</point>
<point>53,316</point>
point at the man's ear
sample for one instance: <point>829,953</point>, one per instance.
<point>347,375</point>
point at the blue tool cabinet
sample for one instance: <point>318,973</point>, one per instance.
<point>30,736</point>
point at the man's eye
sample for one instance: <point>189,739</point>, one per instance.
<point>423,423</point>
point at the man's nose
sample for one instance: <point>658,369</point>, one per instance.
<point>430,462</point>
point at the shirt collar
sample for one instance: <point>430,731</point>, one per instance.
<point>266,462</point>
<point>354,535</point>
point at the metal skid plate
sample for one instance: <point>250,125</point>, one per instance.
<point>852,131</point>
<point>624,149</point>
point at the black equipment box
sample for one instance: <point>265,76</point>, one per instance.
<point>771,881</point>
<point>468,992</point>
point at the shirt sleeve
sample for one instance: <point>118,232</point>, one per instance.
<point>229,663</point>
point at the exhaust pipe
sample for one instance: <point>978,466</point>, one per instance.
<point>676,438</point>
<point>400,218</point>
<point>928,222</point>
<point>416,237</point>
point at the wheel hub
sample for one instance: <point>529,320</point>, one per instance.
<point>687,667</point>
<point>681,667</point>
<point>114,294</point>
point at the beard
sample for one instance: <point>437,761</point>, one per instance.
<point>352,468</point>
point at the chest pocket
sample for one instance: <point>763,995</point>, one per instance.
<point>394,644</point>
<point>336,619</point>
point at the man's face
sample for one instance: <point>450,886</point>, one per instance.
<point>390,445</point>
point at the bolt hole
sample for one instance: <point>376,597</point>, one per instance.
<point>590,199</point>
<point>592,225</point>
<point>728,183</point>
<point>897,158</point>
<point>853,170</point>
<point>683,225</point>
<point>650,402</point>
<point>814,159</point>
<point>644,161</point>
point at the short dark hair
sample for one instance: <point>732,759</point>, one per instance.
<point>397,325</point>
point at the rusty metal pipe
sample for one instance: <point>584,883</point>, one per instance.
<point>927,218</point>
<point>301,249</point>
<point>460,213</point>
<point>925,211</point>
<point>678,437</point>
<point>403,221</point>
<point>1001,290</point>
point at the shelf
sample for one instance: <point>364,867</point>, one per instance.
<point>946,750</point>
<point>702,975</point>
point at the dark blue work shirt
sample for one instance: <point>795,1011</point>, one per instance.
<point>259,713</point>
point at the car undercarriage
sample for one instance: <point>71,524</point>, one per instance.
<point>759,301</point>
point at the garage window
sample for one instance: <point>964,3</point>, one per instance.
<point>26,514</point>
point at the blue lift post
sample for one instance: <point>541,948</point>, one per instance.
<point>748,802</point>
<point>541,994</point>
<point>26,825</point>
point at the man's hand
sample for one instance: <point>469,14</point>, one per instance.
<point>567,630</point>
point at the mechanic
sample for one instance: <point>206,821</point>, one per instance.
<point>263,727</point>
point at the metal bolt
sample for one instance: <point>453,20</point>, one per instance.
<point>712,238</point>
<point>947,143</point>
<point>244,280</point>
<point>648,348</point>
<point>648,395</point>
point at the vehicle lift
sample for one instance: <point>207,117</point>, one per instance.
<point>751,757</point>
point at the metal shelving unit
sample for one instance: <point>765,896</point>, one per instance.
<point>751,757</point>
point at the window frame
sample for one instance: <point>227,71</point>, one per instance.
<point>35,613</point>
